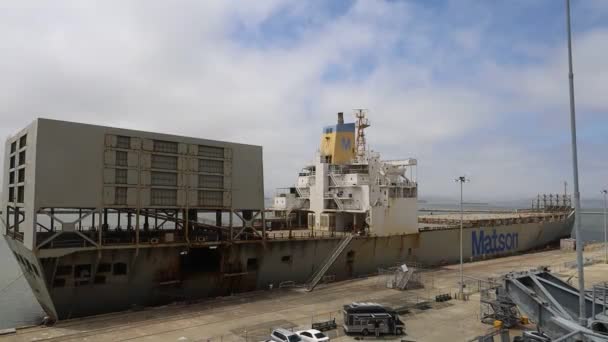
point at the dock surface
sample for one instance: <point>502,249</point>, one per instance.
<point>251,316</point>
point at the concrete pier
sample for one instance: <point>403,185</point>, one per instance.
<point>251,316</point>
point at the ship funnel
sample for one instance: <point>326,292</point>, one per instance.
<point>340,118</point>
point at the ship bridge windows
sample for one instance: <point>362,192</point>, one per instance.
<point>23,141</point>
<point>13,147</point>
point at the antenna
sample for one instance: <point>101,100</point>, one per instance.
<point>361,124</point>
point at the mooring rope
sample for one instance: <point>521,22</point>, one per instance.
<point>11,283</point>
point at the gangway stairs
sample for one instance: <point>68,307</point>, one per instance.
<point>303,194</point>
<point>404,278</point>
<point>314,281</point>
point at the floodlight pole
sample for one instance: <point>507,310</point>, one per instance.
<point>461,180</point>
<point>577,200</point>
<point>605,192</point>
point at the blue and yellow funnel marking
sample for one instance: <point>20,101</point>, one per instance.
<point>338,143</point>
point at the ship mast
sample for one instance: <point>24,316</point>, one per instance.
<point>362,123</point>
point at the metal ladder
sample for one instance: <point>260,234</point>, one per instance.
<point>333,178</point>
<point>302,194</point>
<point>330,261</point>
<point>339,203</point>
<point>405,278</point>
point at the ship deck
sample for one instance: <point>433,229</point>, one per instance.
<point>450,220</point>
<point>475,216</point>
<point>251,316</point>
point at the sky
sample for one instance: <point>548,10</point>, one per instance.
<point>473,87</point>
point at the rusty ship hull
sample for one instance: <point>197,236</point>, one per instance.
<point>124,278</point>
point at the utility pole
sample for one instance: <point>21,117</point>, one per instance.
<point>461,180</point>
<point>577,196</point>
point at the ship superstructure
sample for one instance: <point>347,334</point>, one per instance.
<point>349,188</point>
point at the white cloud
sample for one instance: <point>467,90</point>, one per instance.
<point>185,67</point>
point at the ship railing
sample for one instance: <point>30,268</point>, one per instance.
<point>124,237</point>
<point>67,240</point>
<point>349,169</point>
<point>18,236</point>
<point>304,235</point>
<point>351,206</point>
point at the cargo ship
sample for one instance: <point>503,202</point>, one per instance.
<point>103,219</point>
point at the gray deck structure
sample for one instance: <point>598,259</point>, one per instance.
<point>73,188</point>
<point>98,171</point>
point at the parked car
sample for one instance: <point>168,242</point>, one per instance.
<point>312,335</point>
<point>284,335</point>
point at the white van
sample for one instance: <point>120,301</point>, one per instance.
<point>284,335</point>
